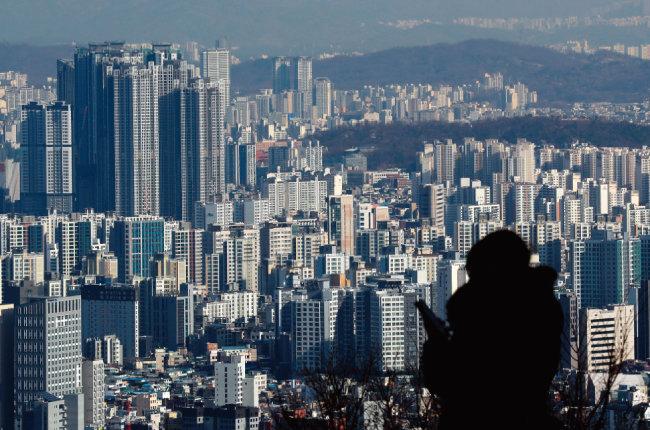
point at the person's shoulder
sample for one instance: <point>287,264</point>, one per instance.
<point>464,291</point>
<point>464,298</point>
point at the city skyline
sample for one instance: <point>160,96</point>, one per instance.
<point>174,253</point>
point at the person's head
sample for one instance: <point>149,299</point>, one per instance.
<point>501,252</point>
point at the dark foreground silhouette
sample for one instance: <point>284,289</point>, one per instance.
<point>493,364</point>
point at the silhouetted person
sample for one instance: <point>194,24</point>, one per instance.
<point>493,365</point>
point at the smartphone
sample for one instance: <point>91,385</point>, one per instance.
<point>434,326</point>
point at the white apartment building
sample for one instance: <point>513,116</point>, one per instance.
<point>606,336</point>
<point>387,328</point>
<point>229,379</point>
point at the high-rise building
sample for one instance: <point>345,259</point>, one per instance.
<point>340,222</point>
<point>312,153</point>
<point>93,115</point>
<point>445,161</point>
<point>134,241</point>
<point>313,316</point>
<point>606,337</point>
<point>46,150</point>
<point>175,76</point>
<point>304,85</point>
<point>173,320</point>
<point>323,97</point>
<point>202,158</point>
<point>386,313</point>
<point>109,350</point>
<point>302,74</point>
<point>92,381</point>
<point>111,310</point>
<point>524,161</point>
<point>308,195</point>
<point>306,245</point>
<point>331,262</point>
<point>432,199</point>
<point>641,300</point>
<point>218,213</point>
<point>240,258</point>
<point>101,92</point>
<point>23,266</point>
<point>136,140</point>
<point>451,276</point>
<point>603,269</point>
<point>247,165</point>
<point>187,244</point>
<point>294,74</point>
<point>275,240</point>
<point>520,203</point>
<point>215,65</point>
<point>65,81</point>
<point>6,366</point>
<point>569,347</point>
<point>47,349</point>
<point>282,74</point>
<point>67,237</point>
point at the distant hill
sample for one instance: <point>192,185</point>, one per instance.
<point>557,77</point>
<point>395,145</point>
<point>38,62</point>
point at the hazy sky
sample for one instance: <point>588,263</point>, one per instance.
<point>258,26</point>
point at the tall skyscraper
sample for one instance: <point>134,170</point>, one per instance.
<point>246,172</point>
<point>340,222</point>
<point>445,161</point>
<point>46,145</point>
<point>304,84</point>
<point>302,74</point>
<point>136,141</point>
<point>282,74</point>
<point>47,349</point>
<point>294,74</point>
<point>202,157</point>
<point>215,65</point>
<point>323,97</point>
<point>175,75</point>
<point>94,166</point>
<point>65,81</point>
<point>523,161</point>
<point>521,205</point>
<point>386,312</point>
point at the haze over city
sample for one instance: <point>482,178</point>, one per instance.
<point>322,214</point>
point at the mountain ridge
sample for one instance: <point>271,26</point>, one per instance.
<point>557,77</point>
<point>409,137</point>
